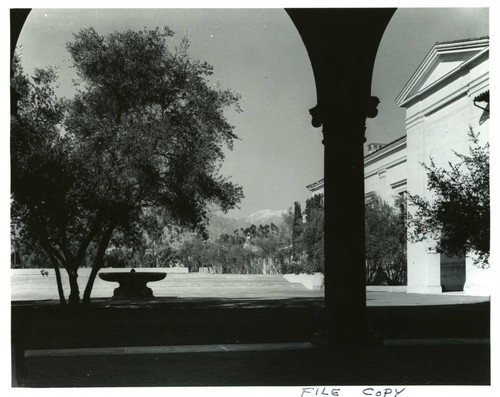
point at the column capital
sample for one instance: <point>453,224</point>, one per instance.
<point>343,117</point>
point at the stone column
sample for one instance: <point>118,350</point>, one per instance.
<point>343,125</point>
<point>342,44</point>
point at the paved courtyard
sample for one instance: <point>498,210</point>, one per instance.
<point>246,332</point>
<point>252,342</point>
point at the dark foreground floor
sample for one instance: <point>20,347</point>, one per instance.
<point>386,365</point>
<point>418,350</point>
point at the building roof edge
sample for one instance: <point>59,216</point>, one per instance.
<point>386,146</point>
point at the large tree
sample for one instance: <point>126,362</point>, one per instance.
<point>145,130</point>
<point>457,216</point>
<point>39,160</point>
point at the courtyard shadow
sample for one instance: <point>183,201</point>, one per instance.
<point>175,321</point>
<point>180,321</point>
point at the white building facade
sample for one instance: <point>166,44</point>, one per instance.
<point>446,96</point>
<point>385,170</point>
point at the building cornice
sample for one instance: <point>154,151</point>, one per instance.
<point>399,184</point>
<point>316,185</point>
<point>385,167</point>
<point>479,46</point>
<point>386,150</point>
<point>479,84</point>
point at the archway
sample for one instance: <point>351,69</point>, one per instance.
<point>342,45</point>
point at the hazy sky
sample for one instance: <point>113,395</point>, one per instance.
<point>259,54</point>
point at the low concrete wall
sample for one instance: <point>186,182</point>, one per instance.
<point>85,271</point>
<point>314,282</point>
<point>386,288</point>
<point>168,270</point>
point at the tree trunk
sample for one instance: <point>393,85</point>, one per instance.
<point>74,295</point>
<point>60,290</point>
<point>90,283</point>
<point>98,262</point>
<point>55,264</point>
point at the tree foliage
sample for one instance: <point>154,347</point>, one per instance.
<point>37,150</point>
<point>146,130</point>
<point>297,230</point>
<point>250,250</point>
<point>313,234</point>
<point>458,215</point>
<point>385,241</point>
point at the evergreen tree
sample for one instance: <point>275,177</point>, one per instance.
<point>297,230</point>
<point>313,235</point>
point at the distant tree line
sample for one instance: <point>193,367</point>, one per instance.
<point>385,242</point>
<point>294,245</point>
<point>253,250</point>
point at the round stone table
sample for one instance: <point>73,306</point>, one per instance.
<point>132,284</point>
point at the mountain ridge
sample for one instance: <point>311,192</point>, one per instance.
<point>221,224</point>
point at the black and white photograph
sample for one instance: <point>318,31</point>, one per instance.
<point>288,199</point>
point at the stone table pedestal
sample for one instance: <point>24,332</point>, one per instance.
<point>133,285</point>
